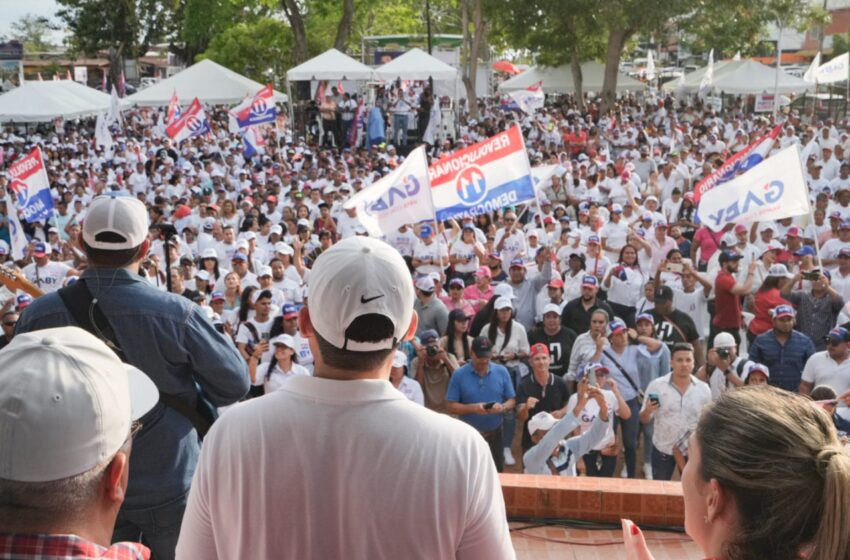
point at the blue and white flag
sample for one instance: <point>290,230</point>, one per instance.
<point>16,232</point>
<point>529,99</point>
<point>402,197</point>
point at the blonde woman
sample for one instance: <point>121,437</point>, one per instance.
<point>766,478</point>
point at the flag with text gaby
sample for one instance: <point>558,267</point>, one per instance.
<point>836,70</point>
<point>774,190</point>
<point>28,180</point>
<point>191,123</point>
<point>482,178</point>
<point>402,197</point>
<point>744,160</point>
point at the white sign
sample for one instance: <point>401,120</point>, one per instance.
<point>773,190</point>
<point>715,102</point>
<point>81,74</point>
<point>764,103</point>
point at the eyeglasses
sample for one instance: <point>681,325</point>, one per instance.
<point>135,428</point>
<point>9,323</point>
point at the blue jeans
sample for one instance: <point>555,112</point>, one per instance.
<point>156,527</point>
<point>400,127</point>
<point>509,417</point>
<point>663,465</point>
<point>630,436</point>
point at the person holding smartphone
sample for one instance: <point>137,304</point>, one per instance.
<point>675,402</point>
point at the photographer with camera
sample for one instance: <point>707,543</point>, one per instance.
<point>818,308</point>
<point>724,369</point>
<point>433,368</point>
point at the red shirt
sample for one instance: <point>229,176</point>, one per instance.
<point>65,547</point>
<point>727,313</point>
<point>765,301</point>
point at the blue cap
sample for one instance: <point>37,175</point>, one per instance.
<point>39,249</point>
<point>429,336</point>
<point>23,300</point>
<point>517,263</point>
<point>806,250</point>
<point>289,311</point>
<point>783,311</point>
<point>593,239</point>
<point>217,296</point>
<point>840,334</point>
<point>237,256</point>
<point>589,280</point>
<point>729,255</point>
<point>591,367</point>
<point>644,317</point>
<point>616,326</point>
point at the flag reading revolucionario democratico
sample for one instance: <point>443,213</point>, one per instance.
<point>28,180</point>
<point>741,162</point>
<point>774,190</point>
<point>482,178</point>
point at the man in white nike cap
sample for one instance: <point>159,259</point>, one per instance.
<point>342,464</point>
<point>68,411</point>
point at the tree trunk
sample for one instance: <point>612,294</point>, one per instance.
<point>575,66</point>
<point>296,22</point>
<point>616,41</point>
<point>472,40</point>
<point>343,31</point>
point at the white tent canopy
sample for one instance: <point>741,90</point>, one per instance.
<point>738,77</point>
<point>45,101</point>
<point>694,79</point>
<point>330,65</point>
<point>416,64</point>
<point>560,79</point>
<point>210,82</point>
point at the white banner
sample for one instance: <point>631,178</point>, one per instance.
<point>764,103</point>
<point>812,71</point>
<point>402,197</point>
<point>836,70</point>
<point>16,232</point>
<point>773,190</point>
<point>81,74</point>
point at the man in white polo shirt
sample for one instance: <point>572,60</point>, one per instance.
<point>332,498</point>
<point>830,367</point>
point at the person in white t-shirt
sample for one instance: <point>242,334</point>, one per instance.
<point>362,432</point>
<point>256,329</point>
<point>282,367</point>
<point>465,253</point>
<point>408,386</point>
<point>830,367</point>
<point>44,273</point>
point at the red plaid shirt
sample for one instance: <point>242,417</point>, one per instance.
<point>65,547</point>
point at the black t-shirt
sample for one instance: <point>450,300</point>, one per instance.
<point>191,295</point>
<point>552,397</point>
<point>577,318</point>
<point>560,346</point>
<point>668,333</point>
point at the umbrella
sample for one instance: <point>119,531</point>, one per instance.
<point>505,66</point>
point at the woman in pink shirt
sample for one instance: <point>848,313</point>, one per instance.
<point>707,242</point>
<point>455,300</point>
<point>479,294</point>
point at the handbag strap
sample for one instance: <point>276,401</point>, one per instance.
<point>623,371</point>
<point>88,316</point>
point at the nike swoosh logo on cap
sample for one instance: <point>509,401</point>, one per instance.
<point>367,300</point>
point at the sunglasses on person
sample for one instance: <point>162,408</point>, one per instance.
<point>9,323</point>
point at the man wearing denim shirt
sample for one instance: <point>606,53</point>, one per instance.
<point>783,350</point>
<point>167,337</point>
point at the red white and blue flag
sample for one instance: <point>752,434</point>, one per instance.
<point>28,180</point>
<point>483,177</point>
<point>255,110</point>
<point>173,109</point>
<point>252,141</point>
<point>529,99</point>
<point>192,123</point>
<point>741,162</point>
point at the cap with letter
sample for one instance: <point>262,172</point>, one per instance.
<point>783,311</point>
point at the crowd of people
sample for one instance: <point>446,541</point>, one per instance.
<point>602,332</point>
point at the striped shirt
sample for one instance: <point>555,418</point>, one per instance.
<point>785,361</point>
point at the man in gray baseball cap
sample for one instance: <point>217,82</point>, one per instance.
<point>68,411</point>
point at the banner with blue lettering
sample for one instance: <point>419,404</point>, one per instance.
<point>482,178</point>
<point>773,190</point>
<point>402,197</point>
<point>28,180</point>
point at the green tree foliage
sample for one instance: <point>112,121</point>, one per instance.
<point>253,48</point>
<point>33,32</point>
<point>840,45</point>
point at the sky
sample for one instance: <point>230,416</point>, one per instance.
<point>12,10</point>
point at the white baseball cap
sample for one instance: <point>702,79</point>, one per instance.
<point>360,276</point>
<point>284,339</point>
<point>426,284</point>
<point>541,421</point>
<point>779,270</point>
<point>551,308</point>
<point>503,302</point>
<point>209,254</point>
<point>399,359</point>
<point>283,248</point>
<point>504,290</point>
<point>122,216</point>
<point>724,340</point>
<point>66,404</point>
<point>264,271</point>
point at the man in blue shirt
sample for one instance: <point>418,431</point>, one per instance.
<point>170,339</point>
<point>479,393</point>
<point>783,350</point>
